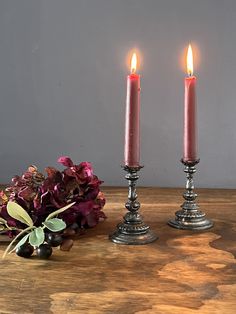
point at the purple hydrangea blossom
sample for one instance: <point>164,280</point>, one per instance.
<point>40,195</point>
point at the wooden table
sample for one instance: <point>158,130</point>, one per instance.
<point>182,272</point>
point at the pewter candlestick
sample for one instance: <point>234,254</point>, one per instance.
<point>190,217</point>
<point>132,230</point>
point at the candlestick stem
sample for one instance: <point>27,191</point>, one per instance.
<point>132,230</point>
<point>190,217</point>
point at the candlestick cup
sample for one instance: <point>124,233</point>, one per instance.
<point>132,230</point>
<point>190,217</point>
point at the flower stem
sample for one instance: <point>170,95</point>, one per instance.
<point>14,240</point>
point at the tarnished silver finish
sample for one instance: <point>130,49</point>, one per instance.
<point>190,217</point>
<point>132,230</point>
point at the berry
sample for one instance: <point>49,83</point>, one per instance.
<point>25,250</point>
<point>74,226</point>
<point>44,251</point>
<point>54,239</point>
<point>66,245</point>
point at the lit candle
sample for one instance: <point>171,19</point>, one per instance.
<point>132,128</point>
<point>190,128</point>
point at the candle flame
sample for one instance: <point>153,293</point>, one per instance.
<point>190,61</point>
<point>133,63</point>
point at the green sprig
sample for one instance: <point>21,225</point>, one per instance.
<point>35,235</point>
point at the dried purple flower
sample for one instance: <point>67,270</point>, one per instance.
<point>65,161</point>
<point>41,195</point>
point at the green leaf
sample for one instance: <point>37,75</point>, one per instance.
<point>14,240</point>
<point>18,213</point>
<point>36,237</point>
<point>2,221</point>
<point>2,227</point>
<point>59,211</point>
<point>3,224</point>
<point>55,224</point>
<point>21,242</point>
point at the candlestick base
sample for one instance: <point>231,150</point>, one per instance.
<point>132,235</point>
<point>190,217</point>
<point>190,221</point>
<point>132,231</point>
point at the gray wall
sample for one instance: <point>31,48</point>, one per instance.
<point>62,85</point>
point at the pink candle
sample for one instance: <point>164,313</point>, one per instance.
<point>132,128</point>
<point>190,128</point>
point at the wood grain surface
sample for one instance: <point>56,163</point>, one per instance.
<point>182,272</point>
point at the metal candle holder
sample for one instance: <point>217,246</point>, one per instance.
<point>190,217</point>
<point>132,230</point>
